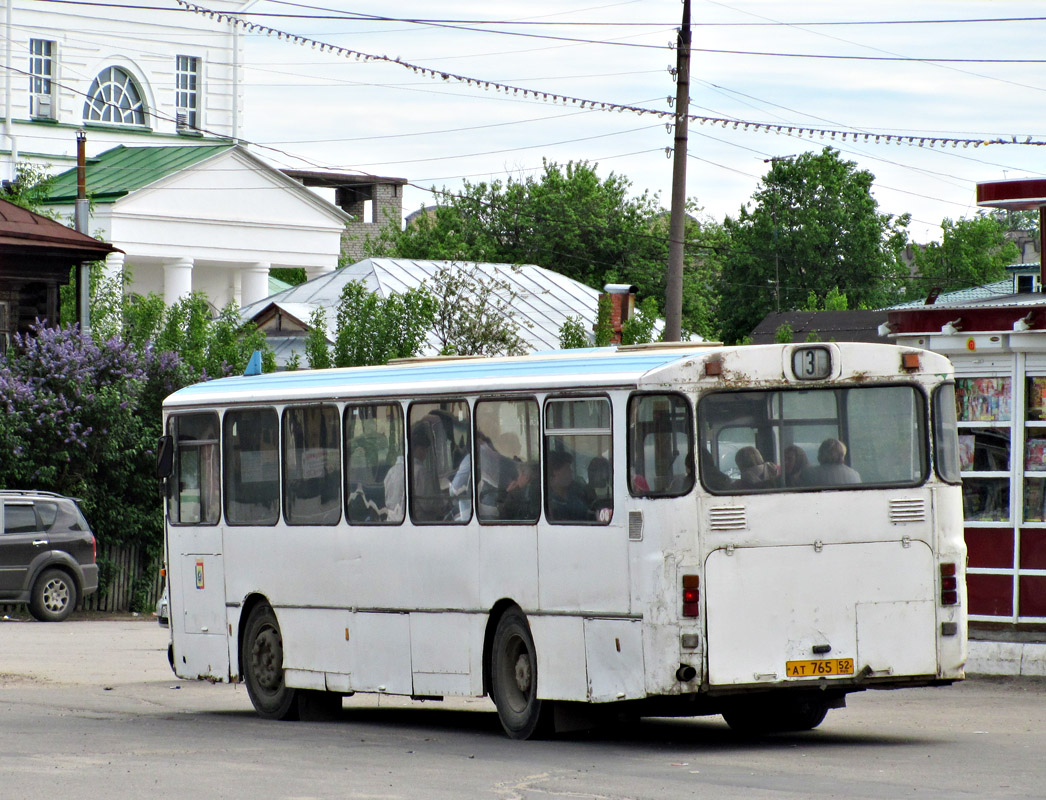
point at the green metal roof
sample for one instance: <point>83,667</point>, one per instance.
<point>122,170</point>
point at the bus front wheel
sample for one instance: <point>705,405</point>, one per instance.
<point>514,679</point>
<point>262,657</point>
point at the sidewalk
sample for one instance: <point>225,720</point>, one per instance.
<point>1006,658</point>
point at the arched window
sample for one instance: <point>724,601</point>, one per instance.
<point>114,97</point>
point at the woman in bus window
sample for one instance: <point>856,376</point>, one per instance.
<point>831,469</point>
<point>755,472</point>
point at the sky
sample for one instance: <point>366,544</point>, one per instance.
<point>754,61</point>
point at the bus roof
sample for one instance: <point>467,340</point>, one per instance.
<point>557,369</point>
<point>602,366</point>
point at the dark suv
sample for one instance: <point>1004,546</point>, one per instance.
<point>47,553</point>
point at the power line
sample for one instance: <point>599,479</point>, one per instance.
<point>599,105</point>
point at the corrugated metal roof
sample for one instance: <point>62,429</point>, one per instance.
<point>543,300</point>
<point>122,170</point>
<point>989,291</point>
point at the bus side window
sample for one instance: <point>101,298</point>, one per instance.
<point>193,495</point>
<point>251,443</point>
<point>578,461</point>
<point>508,488</point>
<point>311,466</point>
<point>375,488</point>
<point>660,445</point>
<point>440,472</point>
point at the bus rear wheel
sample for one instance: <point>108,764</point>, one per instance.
<point>262,657</point>
<point>514,679</point>
<point>777,714</point>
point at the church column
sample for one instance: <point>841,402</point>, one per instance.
<point>177,280</point>
<point>113,269</point>
<point>235,287</point>
<point>105,310</point>
<point>315,272</point>
<point>254,284</point>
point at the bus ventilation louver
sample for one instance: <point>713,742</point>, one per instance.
<point>635,526</point>
<point>728,518</point>
<point>907,509</point>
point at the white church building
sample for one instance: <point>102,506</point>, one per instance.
<point>158,95</point>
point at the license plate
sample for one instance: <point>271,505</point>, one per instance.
<point>817,667</point>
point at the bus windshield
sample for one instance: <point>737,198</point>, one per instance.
<point>794,440</point>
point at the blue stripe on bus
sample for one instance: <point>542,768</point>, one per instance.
<point>588,362</point>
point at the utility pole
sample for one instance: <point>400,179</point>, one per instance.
<point>677,220</point>
<point>81,213</point>
<point>772,161</point>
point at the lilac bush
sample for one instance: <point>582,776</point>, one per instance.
<point>82,418</point>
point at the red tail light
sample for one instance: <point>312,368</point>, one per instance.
<point>949,585</point>
<point>691,595</point>
<point>94,549</point>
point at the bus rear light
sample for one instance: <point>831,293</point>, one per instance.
<point>691,595</point>
<point>949,585</point>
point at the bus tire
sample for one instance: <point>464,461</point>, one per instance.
<point>262,656</point>
<point>780,714</point>
<point>514,679</point>
<point>53,597</point>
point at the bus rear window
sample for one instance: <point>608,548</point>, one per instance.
<point>812,439</point>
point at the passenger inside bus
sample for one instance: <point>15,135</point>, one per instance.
<point>713,477</point>
<point>831,469</point>
<point>795,462</point>
<point>755,472</point>
<point>522,497</point>
<point>568,499</point>
<point>428,502</point>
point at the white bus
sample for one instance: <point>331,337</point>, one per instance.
<point>659,530</point>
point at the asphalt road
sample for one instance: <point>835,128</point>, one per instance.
<point>89,708</point>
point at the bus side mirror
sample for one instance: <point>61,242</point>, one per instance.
<point>165,457</point>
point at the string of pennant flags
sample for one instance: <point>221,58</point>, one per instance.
<point>827,134</point>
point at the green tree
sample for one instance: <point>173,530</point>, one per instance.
<point>972,252</point>
<point>474,313</point>
<point>639,328</point>
<point>833,301</point>
<point>210,345</point>
<point>30,189</point>
<point>317,348</point>
<point>567,219</point>
<point>813,226</point>
<point>371,329</point>
<point>784,333</point>
<point>603,330</point>
<point>572,334</point>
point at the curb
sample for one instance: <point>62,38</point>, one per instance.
<point>1006,658</point>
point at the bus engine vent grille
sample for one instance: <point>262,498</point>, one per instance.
<point>907,509</point>
<point>635,526</point>
<point>727,518</point>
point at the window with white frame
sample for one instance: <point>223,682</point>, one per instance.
<point>114,97</point>
<point>186,95</point>
<point>41,78</point>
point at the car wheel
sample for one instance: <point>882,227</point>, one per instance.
<point>514,679</point>
<point>53,597</point>
<point>262,656</point>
